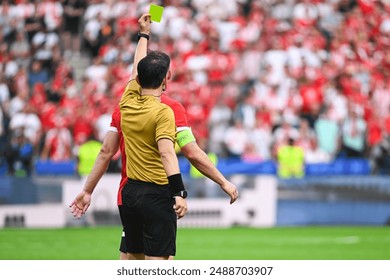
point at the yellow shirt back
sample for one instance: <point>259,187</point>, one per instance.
<point>144,121</point>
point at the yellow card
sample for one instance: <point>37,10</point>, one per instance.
<point>156,12</point>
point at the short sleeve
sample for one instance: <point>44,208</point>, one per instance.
<point>165,124</point>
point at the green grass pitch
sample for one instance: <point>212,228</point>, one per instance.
<point>278,243</point>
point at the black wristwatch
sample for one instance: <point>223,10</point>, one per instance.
<point>182,194</point>
<point>146,36</point>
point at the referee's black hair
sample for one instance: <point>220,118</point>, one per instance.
<point>152,69</point>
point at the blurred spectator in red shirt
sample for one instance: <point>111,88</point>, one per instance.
<point>58,142</point>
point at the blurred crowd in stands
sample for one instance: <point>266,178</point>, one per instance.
<point>254,75</point>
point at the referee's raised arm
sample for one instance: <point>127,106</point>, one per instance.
<point>142,46</point>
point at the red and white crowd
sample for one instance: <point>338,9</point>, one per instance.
<point>250,73</point>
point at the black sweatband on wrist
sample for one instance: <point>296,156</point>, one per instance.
<point>143,35</point>
<point>176,183</point>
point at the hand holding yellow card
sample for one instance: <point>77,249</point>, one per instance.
<point>156,12</point>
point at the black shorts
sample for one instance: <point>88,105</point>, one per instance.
<point>149,220</point>
<point>122,245</point>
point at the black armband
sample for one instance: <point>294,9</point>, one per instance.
<point>176,183</point>
<point>143,35</point>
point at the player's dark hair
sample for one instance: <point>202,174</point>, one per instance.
<point>152,69</point>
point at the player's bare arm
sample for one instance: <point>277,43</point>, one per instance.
<point>201,161</point>
<point>110,146</point>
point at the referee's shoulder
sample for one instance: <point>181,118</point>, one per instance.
<point>164,107</point>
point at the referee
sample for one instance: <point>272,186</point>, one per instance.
<point>154,195</point>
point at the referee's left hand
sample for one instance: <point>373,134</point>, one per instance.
<point>180,206</point>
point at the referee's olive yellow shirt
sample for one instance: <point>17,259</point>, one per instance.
<point>144,121</point>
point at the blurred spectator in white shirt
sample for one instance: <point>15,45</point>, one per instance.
<point>305,11</point>
<point>249,65</point>
<point>282,9</point>
<point>336,101</point>
<point>327,131</point>
<point>20,49</point>
<point>24,9</point>
<point>314,154</point>
<point>276,57</point>
<point>381,97</point>
<point>91,35</point>
<point>236,139</point>
<point>284,132</point>
<point>218,121</point>
<point>306,135</point>
<point>98,72</point>
<point>4,94</point>
<point>261,138</point>
<point>246,112</point>
<point>27,121</point>
<point>198,63</point>
<point>354,129</point>
<point>102,124</point>
<point>52,11</point>
<point>17,103</point>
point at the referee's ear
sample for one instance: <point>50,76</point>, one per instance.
<point>169,75</point>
